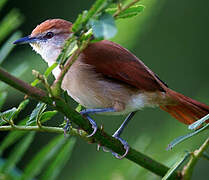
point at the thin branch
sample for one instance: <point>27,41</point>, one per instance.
<point>57,83</point>
<point>100,136</point>
<point>195,156</point>
<point>125,7</point>
<point>21,85</point>
<point>72,131</point>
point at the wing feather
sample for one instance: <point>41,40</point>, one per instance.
<point>116,62</point>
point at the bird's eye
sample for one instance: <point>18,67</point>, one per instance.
<point>49,35</point>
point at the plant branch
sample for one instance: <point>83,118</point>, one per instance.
<point>72,131</point>
<point>57,83</point>
<point>100,136</point>
<point>195,156</point>
<point>121,9</point>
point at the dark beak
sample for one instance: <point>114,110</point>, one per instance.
<point>25,40</point>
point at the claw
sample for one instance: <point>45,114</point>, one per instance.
<point>117,134</point>
<point>125,145</point>
<point>92,122</point>
<point>94,131</point>
<point>85,113</point>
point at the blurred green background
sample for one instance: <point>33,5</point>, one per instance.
<point>170,37</point>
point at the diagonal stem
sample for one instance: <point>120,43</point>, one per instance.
<point>121,9</point>
<point>195,156</point>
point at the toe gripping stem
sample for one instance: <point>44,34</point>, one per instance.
<point>86,113</point>
<point>117,134</point>
<point>116,155</point>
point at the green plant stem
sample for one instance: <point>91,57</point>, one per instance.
<point>72,131</point>
<point>100,136</point>
<point>121,9</point>
<point>195,156</point>
<point>57,83</point>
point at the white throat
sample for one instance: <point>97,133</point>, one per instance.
<point>49,53</point>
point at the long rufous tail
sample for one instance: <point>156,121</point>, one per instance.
<point>186,110</point>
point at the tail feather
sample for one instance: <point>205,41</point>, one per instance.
<point>185,109</point>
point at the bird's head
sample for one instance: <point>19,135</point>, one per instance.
<point>48,38</point>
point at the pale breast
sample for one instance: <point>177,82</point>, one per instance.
<point>93,90</point>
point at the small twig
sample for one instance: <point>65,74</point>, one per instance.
<point>176,166</point>
<point>195,156</point>
<point>44,81</point>
<point>125,7</point>
<point>10,121</point>
<point>72,131</point>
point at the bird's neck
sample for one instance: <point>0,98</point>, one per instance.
<point>49,54</point>
<point>47,51</point>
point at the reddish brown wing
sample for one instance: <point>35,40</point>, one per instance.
<point>116,62</point>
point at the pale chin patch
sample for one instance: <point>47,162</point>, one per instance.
<point>47,51</point>
<point>36,47</point>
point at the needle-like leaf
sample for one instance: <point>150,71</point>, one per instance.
<point>36,114</point>
<point>8,46</point>
<point>3,96</point>
<point>176,166</point>
<point>62,157</point>
<point>182,138</point>
<point>17,153</point>
<point>38,162</point>
<point>198,123</point>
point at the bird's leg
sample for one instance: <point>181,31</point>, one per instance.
<point>86,113</point>
<point>117,134</point>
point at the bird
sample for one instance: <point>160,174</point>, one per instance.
<point>108,79</point>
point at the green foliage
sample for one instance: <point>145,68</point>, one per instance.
<point>12,137</point>
<point>7,115</point>
<point>45,116</point>
<point>50,151</point>
<point>68,49</point>
<point>17,153</point>
<point>183,138</point>
<point>62,157</point>
<point>8,167</point>
<point>46,73</point>
<point>177,164</point>
<point>198,123</point>
<point>36,114</point>
<point>10,22</point>
<point>83,19</point>
<point>7,47</point>
<point>130,12</point>
<point>3,96</point>
<point>2,3</point>
<point>104,27</point>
